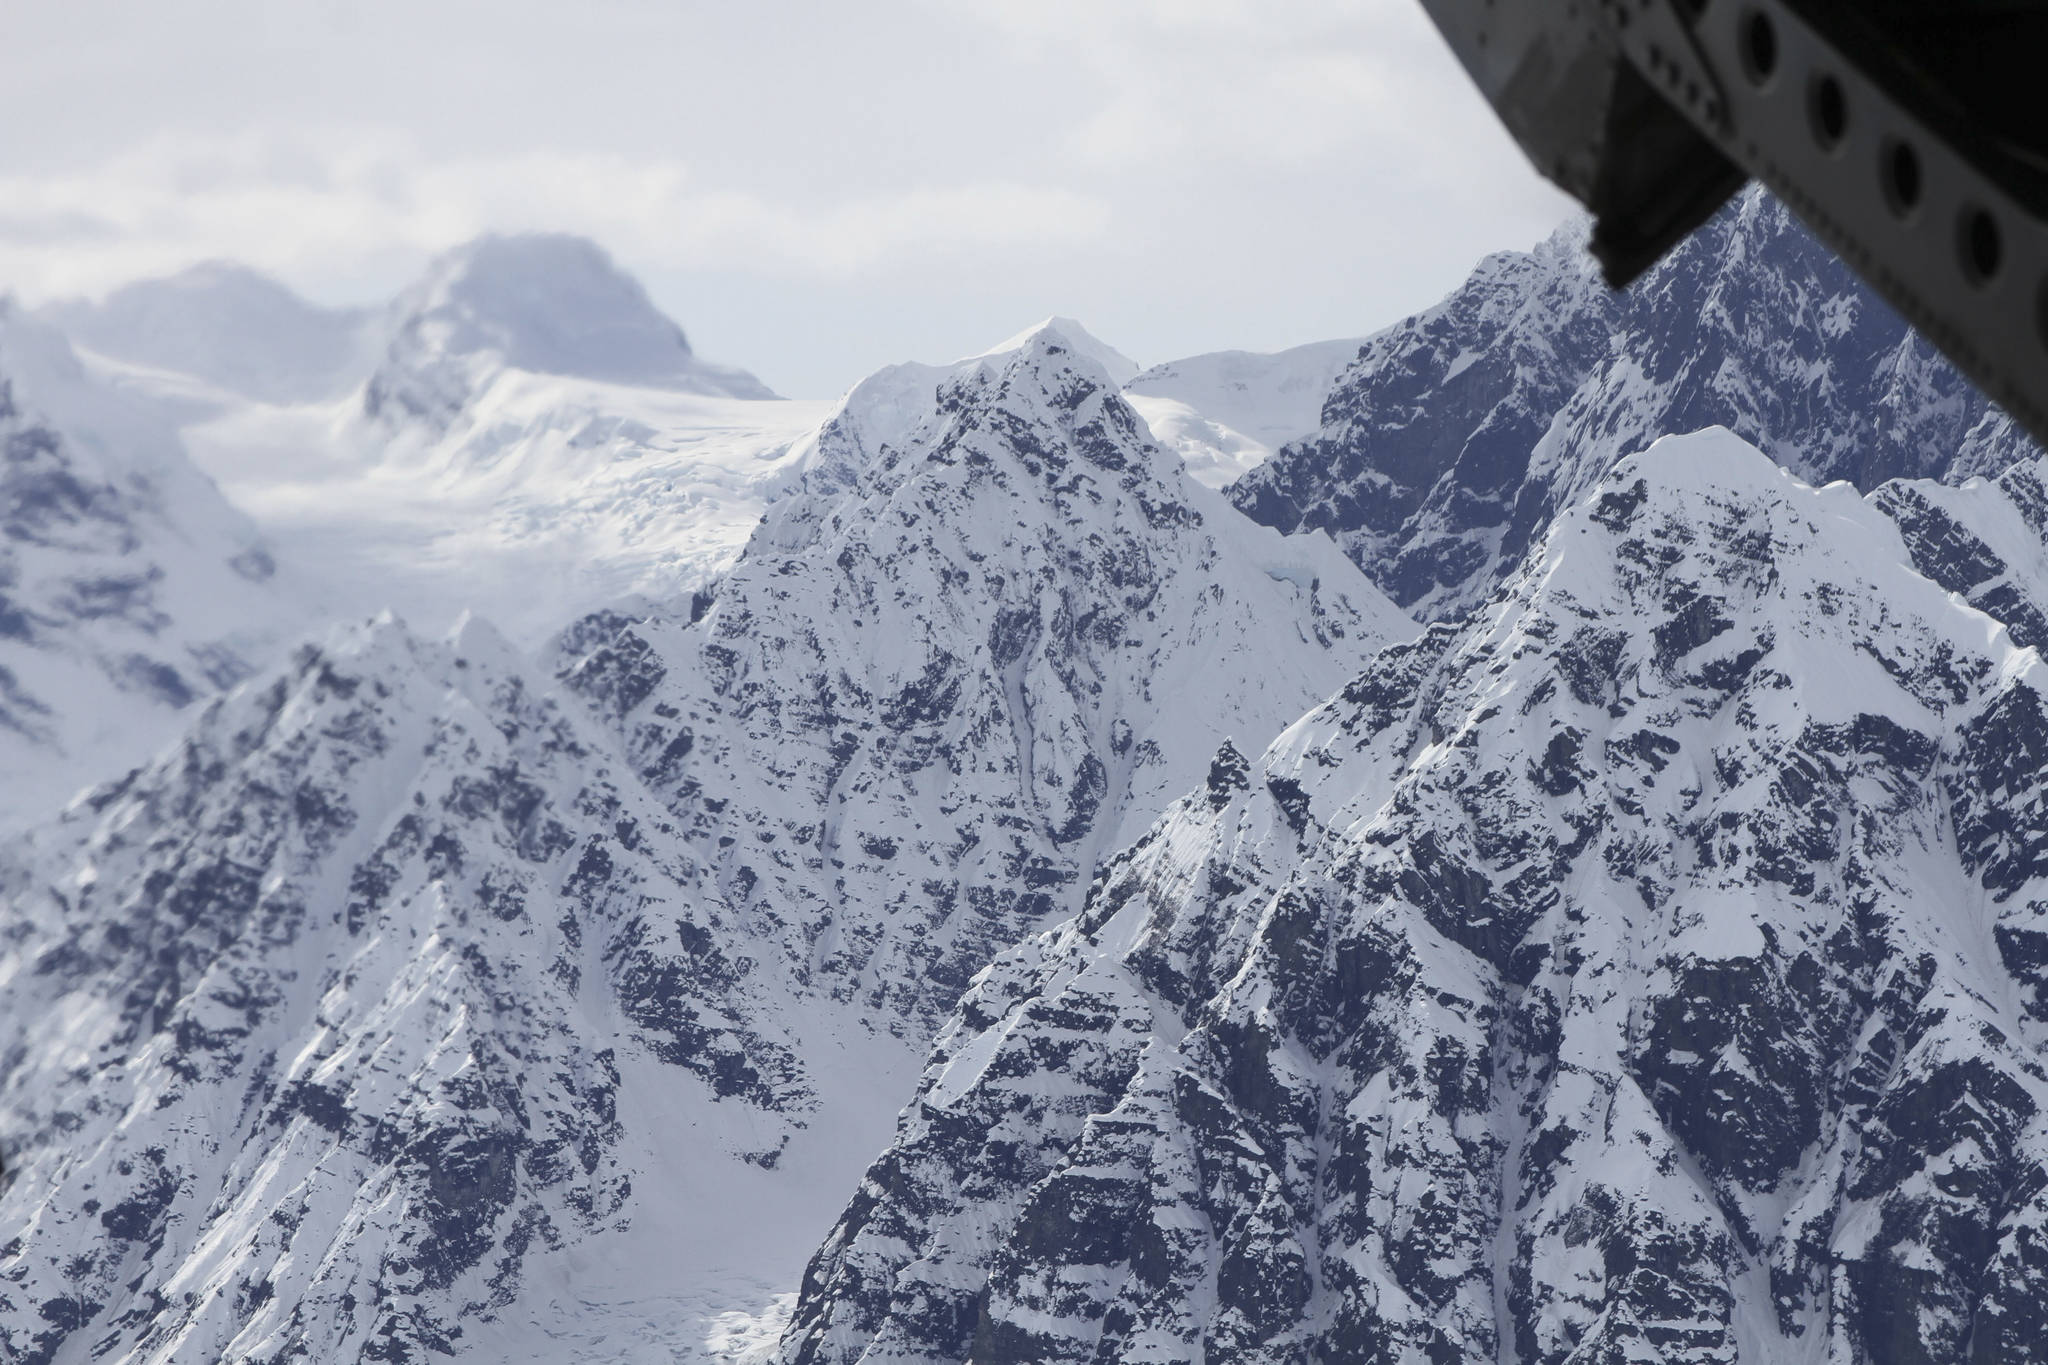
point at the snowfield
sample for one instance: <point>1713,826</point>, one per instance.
<point>1227,412</point>
<point>546,499</point>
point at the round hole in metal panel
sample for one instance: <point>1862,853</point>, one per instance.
<point>1827,109</point>
<point>1898,174</point>
<point>1759,47</point>
<point>1980,246</point>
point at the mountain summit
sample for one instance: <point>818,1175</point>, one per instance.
<point>1646,969</point>
<point>420,1005</point>
<point>1458,435</point>
<point>541,302</point>
<point>1077,339</point>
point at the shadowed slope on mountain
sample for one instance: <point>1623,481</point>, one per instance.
<point>1646,969</point>
<point>989,636</point>
<point>1448,447</point>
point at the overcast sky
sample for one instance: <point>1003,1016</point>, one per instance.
<point>813,189</point>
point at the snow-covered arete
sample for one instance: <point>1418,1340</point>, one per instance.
<point>1445,450</point>
<point>415,1003</point>
<point>1647,969</point>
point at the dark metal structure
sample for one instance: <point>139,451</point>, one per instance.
<point>1911,135</point>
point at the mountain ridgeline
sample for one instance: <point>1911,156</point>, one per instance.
<point>391,988</point>
<point>1454,438</point>
<point>972,655</point>
<point>1647,968</point>
<point>1568,888</point>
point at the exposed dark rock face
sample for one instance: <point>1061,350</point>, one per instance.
<point>1648,969</point>
<point>1985,542</point>
<point>993,633</point>
<point>413,999</point>
<point>350,982</point>
<point>1448,447</point>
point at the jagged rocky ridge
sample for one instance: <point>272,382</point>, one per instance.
<point>415,1003</point>
<point>321,1086</point>
<point>991,633</point>
<point>1456,436</point>
<point>346,987</point>
<point>986,640</point>
<point>1648,969</point>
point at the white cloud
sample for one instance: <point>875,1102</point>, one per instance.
<point>1221,81</point>
<point>812,189</point>
<point>300,204</point>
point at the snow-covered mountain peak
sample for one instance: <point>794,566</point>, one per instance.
<point>899,404</point>
<point>1709,510</point>
<point>1066,332</point>
<point>474,637</point>
<point>418,988</point>
<point>996,619</point>
<point>1446,449</point>
<point>1644,969</point>
<point>1643,963</point>
<point>536,442</point>
<point>481,1000</point>
<point>544,303</point>
<point>1716,466</point>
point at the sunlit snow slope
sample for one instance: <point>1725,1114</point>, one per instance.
<point>128,586</point>
<point>1648,968</point>
<point>1227,412</point>
<point>415,1004</point>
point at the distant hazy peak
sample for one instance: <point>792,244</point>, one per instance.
<point>231,326</point>
<point>552,304</point>
<point>224,277</point>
